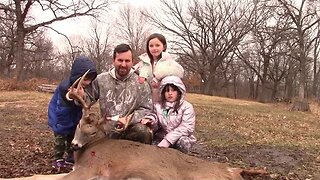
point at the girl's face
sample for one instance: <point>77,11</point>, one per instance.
<point>171,95</point>
<point>155,47</point>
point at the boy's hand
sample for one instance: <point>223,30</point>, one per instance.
<point>79,91</point>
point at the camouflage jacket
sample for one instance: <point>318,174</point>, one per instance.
<point>120,97</point>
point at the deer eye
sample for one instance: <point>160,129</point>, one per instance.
<point>93,133</point>
<point>119,126</point>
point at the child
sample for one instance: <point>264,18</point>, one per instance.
<point>64,115</point>
<point>156,64</point>
<point>176,116</point>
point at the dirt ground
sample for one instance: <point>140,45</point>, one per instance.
<point>27,145</point>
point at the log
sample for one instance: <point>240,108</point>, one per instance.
<point>49,88</point>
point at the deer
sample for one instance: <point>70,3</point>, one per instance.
<point>99,157</point>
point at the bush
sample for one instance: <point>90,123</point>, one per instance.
<point>28,85</point>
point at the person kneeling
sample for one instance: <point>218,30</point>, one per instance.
<point>175,116</point>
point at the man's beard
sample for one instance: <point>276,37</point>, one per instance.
<point>123,72</point>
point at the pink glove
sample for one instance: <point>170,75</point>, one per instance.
<point>164,143</point>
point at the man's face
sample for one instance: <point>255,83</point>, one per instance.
<point>123,64</point>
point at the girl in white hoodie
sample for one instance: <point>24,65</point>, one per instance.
<point>156,64</point>
<point>175,116</point>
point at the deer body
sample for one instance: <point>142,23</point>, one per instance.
<point>122,159</point>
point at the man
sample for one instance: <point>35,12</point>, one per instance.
<point>120,94</point>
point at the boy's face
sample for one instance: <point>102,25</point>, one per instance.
<point>123,64</point>
<point>85,82</point>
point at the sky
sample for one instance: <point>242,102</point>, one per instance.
<point>76,27</point>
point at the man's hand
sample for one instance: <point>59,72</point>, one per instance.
<point>141,79</point>
<point>146,122</point>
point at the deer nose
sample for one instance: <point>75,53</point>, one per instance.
<point>74,147</point>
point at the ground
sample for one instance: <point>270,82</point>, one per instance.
<point>269,137</point>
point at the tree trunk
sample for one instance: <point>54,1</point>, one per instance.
<point>19,55</point>
<point>274,90</point>
<point>263,96</point>
<point>303,74</point>
<point>289,85</point>
<point>251,88</point>
<point>208,88</point>
<point>235,87</point>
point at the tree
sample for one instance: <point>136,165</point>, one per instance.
<point>268,38</point>
<point>58,10</point>
<point>132,27</point>
<point>98,47</point>
<point>205,32</point>
<point>316,67</point>
<point>304,19</point>
<point>6,41</point>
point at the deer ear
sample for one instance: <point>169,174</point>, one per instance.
<point>101,120</point>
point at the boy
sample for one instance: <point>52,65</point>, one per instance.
<point>64,115</point>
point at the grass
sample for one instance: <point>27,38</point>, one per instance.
<point>246,133</point>
<point>240,122</point>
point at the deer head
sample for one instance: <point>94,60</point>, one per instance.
<point>92,128</point>
<point>87,128</point>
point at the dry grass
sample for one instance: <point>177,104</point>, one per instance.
<point>248,122</point>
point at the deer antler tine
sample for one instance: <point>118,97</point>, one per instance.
<point>82,78</point>
<point>73,95</point>
<point>132,107</point>
<point>72,86</point>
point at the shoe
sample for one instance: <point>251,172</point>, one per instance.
<point>59,163</point>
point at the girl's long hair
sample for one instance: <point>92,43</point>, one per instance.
<point>163,97</point>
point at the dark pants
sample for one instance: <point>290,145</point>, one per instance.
<point>62,145</point>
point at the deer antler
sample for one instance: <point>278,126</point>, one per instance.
<point>121,126</point>
<point>73,93</point>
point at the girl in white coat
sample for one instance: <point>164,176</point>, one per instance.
<point>175,116</point>
<point>156,64</point>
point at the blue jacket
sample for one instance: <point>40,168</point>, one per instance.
<point>64,115</point>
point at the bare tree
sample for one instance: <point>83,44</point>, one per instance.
<point>316,67</point>
<point>304,19</point>
<point>205,32</point>
<point>132,27</point>
<point>39,51</point>
<point>60,10</point>
<point>99,48</point>
<point>6,41</point>
<point>268,38</point>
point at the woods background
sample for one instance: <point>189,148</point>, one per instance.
<point>265,50</point>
